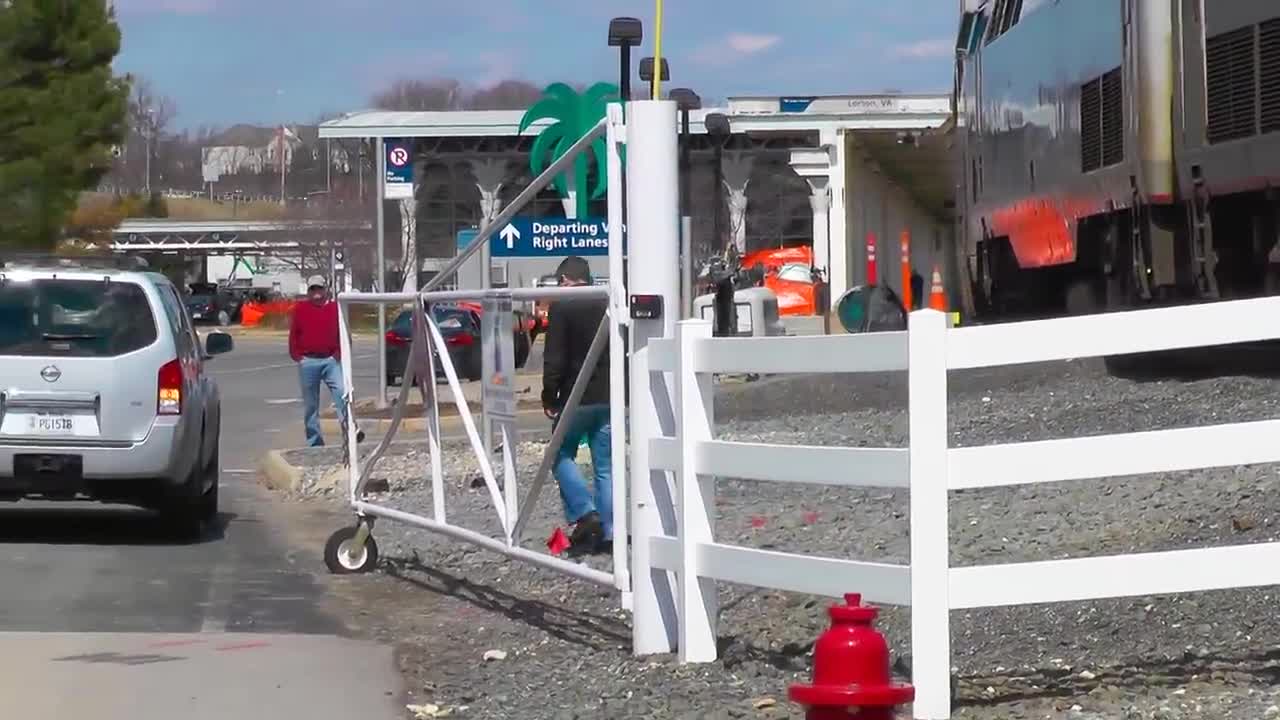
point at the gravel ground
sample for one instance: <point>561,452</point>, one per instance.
<point>565,642</point>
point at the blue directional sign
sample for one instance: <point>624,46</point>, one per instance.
<point>465,237</point>
<point>794,104</point>
<point>550,237</point>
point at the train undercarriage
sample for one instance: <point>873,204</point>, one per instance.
<point>1224,248</point>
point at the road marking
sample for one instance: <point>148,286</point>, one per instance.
<point>284,401</point>
<point>175,643</point>
<point>243,646</point>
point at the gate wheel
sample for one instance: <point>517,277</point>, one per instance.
<point>342,557</point>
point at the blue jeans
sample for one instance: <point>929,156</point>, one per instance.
<point>591,422</point>
<point>311,373</point>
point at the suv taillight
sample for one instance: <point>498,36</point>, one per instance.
<point>169,392</point>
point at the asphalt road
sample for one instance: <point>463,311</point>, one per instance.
<point>236,625</point>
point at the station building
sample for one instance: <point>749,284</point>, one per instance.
<point>830,172</point>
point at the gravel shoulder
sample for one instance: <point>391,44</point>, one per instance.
<point>566,642</point>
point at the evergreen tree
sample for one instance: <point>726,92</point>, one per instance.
<point>61,111</point>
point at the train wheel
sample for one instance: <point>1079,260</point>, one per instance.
<point>1086,296</point>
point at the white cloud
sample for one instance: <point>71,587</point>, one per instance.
<point>923,50</point>
<point>733,47</point>
<point>748,44</point>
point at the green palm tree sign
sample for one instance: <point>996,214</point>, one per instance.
<point>573,115</point>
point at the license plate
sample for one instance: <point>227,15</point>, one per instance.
<point>51,425</point>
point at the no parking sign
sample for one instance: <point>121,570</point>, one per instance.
<point>399,171</point>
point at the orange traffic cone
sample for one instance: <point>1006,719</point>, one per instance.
<point>937,295</point>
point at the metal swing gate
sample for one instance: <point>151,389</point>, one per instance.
<point>353,549</point>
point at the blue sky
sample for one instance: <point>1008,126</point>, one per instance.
<point>270,61</point>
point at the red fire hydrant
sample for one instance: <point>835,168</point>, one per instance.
<point>851,678</point>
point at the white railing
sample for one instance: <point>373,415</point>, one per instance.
<point>929,467</point>
<point>692,453</point>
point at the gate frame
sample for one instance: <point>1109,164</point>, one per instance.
<point>652,130</point>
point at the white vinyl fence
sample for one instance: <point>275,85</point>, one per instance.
<point>930,468</point>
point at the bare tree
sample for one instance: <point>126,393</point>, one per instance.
<point>421,95</point>
<point>409,243</point>
<point>506,95</point>
<point>150,110</point>
<point>425,94</point>
<point>150,114</point>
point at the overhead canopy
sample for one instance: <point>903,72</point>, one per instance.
<point>746,115</point>
<point>922,166</point>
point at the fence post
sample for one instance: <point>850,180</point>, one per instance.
<point>927,422</point>
<point>695,503</point>
<point>652,269</point>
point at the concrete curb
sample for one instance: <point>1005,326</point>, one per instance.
<point>379,426</point>
<point>277,474</point>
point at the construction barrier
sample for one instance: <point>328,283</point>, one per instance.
<point>252,313</point>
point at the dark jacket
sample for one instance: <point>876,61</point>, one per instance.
<point>571,326</point>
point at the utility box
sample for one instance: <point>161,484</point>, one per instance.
<point>757,312</point>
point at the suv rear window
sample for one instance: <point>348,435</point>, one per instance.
<point>74,318</point>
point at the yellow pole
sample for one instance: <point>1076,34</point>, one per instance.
<point>657,52</point>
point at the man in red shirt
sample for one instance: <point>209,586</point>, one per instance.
<point>315,345</point>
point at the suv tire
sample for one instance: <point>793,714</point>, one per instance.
<point>186,516</point>
<point>208,502</point>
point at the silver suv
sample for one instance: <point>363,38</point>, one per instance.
<point>103,390</point>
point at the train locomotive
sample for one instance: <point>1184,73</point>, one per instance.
<point>1114,154</point>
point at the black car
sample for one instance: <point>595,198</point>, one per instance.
<point>460,327</point>
<point>209,303</point>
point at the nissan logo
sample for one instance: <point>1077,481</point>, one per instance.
<point>51,373</point>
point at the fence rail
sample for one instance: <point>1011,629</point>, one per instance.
<point>930,468</point>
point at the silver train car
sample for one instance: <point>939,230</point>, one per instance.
<point>1116,153</point>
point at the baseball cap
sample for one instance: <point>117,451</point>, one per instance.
<point>317,281</point>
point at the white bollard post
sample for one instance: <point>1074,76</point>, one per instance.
<point>654,269</point>
<point>695,503</point>
<point>930,602</point>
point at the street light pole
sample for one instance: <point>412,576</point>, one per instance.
<point>150,135</point>
<point>686,102</point>
<point>647,75</point>
<point>624,34</point>
<point>718,129</point>
<point>380,275</point>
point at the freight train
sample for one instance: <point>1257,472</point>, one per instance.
<point>1113,154</point>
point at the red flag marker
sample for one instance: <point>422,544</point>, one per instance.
<point>558,542</point>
